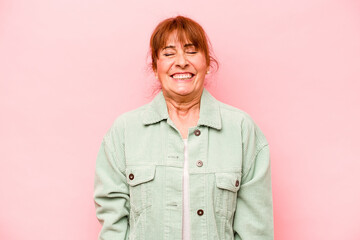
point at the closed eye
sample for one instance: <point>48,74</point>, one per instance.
<point>168,54</point>
<point>191,52</point>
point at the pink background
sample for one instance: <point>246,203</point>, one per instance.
<point>68,68</point>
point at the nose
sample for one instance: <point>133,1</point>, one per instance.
<point>181,60</point>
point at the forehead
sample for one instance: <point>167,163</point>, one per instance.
<point>177,39</point>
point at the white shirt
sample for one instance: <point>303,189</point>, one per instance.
<point>186,204</point>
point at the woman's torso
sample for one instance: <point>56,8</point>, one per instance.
<point>154,156</point>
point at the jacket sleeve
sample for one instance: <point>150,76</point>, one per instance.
<point>253,218</point>
<point>111,192</point>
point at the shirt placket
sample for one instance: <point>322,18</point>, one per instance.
<point>173,194</point>
<point>197,158</point>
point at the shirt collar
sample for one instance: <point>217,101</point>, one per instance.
<point>210,116</point>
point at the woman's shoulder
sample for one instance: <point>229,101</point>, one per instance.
<point>234,113</point>
<point>229,112</point>
<point>128,119</point>
<point>133,116</point>
<point>233,116</point>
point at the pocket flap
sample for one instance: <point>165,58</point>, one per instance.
<point>228,181</point>
<point>136,175</point>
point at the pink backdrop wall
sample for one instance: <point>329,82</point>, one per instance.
<point>69,68</point>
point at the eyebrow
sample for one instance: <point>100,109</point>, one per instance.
<point>189,45</point>
<point>185,46</point>
<point>170,46</point>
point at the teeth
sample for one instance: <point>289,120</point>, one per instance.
<point>182,76</point>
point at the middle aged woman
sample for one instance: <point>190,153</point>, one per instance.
<point>184,166</point>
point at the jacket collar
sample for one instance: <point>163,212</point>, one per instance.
<point>210,116</point>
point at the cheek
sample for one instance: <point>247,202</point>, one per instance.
<point>200,63</point>
<point>202,68</point>
<point>163,66</point>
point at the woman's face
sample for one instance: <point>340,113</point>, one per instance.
<point>181,69</point>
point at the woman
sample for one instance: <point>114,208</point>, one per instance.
<point>184,166</point>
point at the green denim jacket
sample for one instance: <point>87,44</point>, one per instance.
<point>139,170</point>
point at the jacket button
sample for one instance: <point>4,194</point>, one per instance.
<point>237,183</point>
<point>131,176</point>
<point>197,132</point>
<point>199,163</point>
<point>200,212</point>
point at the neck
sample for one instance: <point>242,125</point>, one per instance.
<point>183,106</point>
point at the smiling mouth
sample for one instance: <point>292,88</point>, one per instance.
<point>182,76</point>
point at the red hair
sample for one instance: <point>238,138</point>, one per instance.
<point>187,30</point>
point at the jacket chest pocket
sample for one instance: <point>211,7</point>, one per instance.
<point>227,186</point>
<point>140,180</point>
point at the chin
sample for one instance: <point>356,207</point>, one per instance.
<point>183,92</point>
